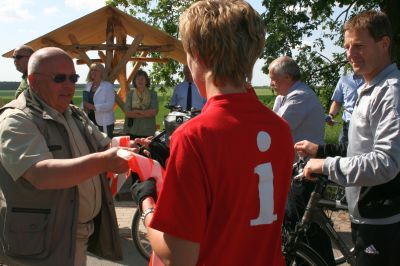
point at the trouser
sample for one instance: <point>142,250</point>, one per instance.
<point>376,245</point>
<point>344,133</point>
<point>109,130</point>
<point>83,232</point>
<point>316,238</point>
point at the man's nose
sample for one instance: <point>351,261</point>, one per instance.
<point>350,52</point>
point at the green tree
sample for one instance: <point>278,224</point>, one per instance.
<point>289,22</point>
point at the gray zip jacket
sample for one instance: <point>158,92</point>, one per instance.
<point>370,170</point>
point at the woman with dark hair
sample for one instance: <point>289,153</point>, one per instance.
<point>141,108</point>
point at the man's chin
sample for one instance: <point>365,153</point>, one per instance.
<point>357,69</point>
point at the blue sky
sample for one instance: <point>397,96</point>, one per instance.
<point>24,20</point>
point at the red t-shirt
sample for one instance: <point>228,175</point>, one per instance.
<point>226,162</point>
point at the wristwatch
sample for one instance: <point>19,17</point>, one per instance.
<point>145,213</point>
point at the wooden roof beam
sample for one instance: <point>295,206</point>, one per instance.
<point>49,42</point>
<point>135,59</point>
<point>82,54</point>
<point>118,47</point>
<point>122,62</point>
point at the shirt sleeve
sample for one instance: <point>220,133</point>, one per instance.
<point>21,143</point>
<point>337,95</point>
<point>181,210</point>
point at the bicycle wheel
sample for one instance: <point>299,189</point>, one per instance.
<point>139,236</point>
<point>305,256</point>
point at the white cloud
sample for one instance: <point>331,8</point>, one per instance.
<point>89,5</point>
<point>51,10</point>
<point>14,10</point>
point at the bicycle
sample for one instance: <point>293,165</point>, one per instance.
<point>316,211</point>
<point>173,120</point>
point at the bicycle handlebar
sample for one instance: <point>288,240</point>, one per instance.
<point>299,166</point>
<point>178,108</point>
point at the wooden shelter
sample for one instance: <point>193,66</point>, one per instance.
<point>105,31</point>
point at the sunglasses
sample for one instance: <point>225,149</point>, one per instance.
<point>18,57</point>
<point>60,78</point>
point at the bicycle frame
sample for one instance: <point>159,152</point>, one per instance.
<point>314,213</point>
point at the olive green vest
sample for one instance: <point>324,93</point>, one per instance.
<point>38,227</point>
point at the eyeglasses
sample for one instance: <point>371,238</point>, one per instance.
<point>60,78</point>
<point>18,57</point>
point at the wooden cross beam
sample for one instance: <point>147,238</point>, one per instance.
<point>82,54</point>
<point>136,59</point>
<point>122,62</point>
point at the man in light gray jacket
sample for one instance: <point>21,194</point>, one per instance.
<point>371,169</point>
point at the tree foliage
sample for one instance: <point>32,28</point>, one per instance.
<point>290,22</point>
<point>298,28</point>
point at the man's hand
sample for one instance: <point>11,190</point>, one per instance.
<point>329,120</point>
<point>306,148</point>
<point>142,190</point>
<point>313,166</point>
<point>143,141</point>
<point>116,163</point>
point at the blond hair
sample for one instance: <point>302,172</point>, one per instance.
<point>96,66</point>
<point>226,35</point>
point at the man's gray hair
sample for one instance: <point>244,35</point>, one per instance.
<point>285,65</point>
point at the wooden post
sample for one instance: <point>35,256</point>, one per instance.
<point>109,41</point>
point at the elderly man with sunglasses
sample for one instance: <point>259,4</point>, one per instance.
<point>55,203</point>
<point>21,57</point>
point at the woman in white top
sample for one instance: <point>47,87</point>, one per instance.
<point>99,99</point>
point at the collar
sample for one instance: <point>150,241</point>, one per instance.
<point>378,78</point>
<point>40,106</point>
<point>294,87</point>
<point>383,74</point>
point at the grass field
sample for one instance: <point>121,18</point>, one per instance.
<point>264,94</point>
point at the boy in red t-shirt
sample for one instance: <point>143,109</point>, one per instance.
<point>228,175</point>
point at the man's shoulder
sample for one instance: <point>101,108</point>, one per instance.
<point>183,84</point>
<point>302,91</point>
<point>14,118</point>
<point>11,112</point>
<point>394,78</point>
